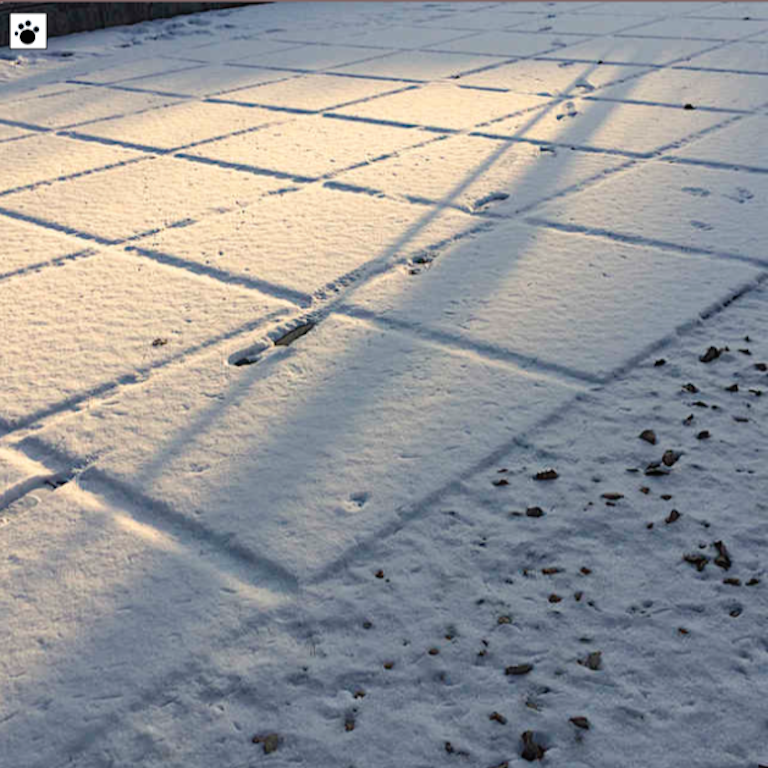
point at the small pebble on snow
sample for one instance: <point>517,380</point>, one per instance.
<point>648,435</point>
<point>592,661</point>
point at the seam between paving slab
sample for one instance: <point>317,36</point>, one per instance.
<point>302,299</point>
<point>416,511</point>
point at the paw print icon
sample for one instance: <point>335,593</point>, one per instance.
<point>29,30</point>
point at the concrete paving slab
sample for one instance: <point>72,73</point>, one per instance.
<point>78,105</point>
<point>547,7</point>
<point>99,564</point>
<point>130,200</point>
<point>553,77</point>
<point>508,43</point>
<point>477,173</point>
<point>649,8</point>
<point>704,29</point>
<point>470,17</point>
<point>741,143</point>
<point>13,95</point>
<point>632,128</point>
<point>632,50</point>
<point>210,80</point>
<point>739,57</point>
<point>313,57</point>
<point>724,90</point>
<point>313,93</point>
<point>443,106</point>
<point>310,145</point>
<point>717,210</point>
<point>576,304</point>
<point>421,66</point>
<point>230,50</point>
<point>131,70</point>
<point>11,474</point>
<point>408,36</point>
<point>268,241</point>
<point>12,132</point>
<point>182,124</point>
<point>47,157</point>
<point>573,24</point>
<point>737,10</point>
<point>347,483</point>
<point>26,246</point>
<point>103,298</point>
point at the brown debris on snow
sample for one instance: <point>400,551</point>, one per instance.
<point>497,717</point>
<point>613,496</point>
<point>692,388</point>
<point>580,722</point>
<point>648,435</point>
<point>532,750</point>
<point>711,354</point>
<point>699,561</point>
<point>592,660</point>
<point>670,458</point>
<point>546,474</point>
<point>518,669</point>
<point>270,742</point>
<point>723,559</point>
<point>534,512</point>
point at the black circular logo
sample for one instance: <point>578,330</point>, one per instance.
<point>27,33</point>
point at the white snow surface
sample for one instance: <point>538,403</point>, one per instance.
<point>298,301</point>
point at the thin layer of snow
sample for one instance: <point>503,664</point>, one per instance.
<point>702,208</point>
<point>741,143</point>
<point>319,433</point>
<point>475,173</point>
<point>700,89</point>
<point>744,57</point>
<point>612,125</point>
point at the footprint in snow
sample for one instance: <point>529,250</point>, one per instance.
<point>697,191</point>
<point>740,195</point>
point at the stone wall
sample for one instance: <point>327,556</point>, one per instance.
<point>66,18</point>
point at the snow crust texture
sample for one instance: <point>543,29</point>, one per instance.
<point>383,385</point>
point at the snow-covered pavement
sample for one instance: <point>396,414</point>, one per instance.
<point>329,335</point>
